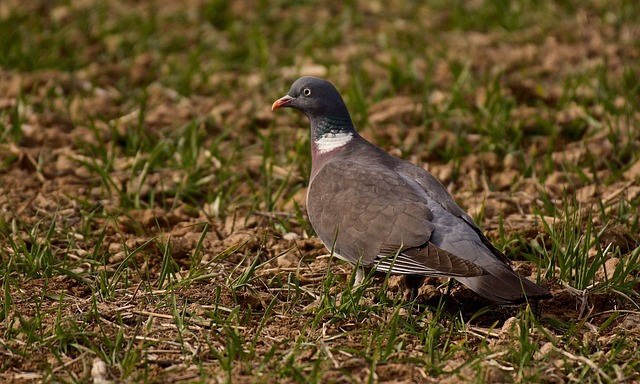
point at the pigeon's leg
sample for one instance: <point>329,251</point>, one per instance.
<point>536,309</point>
<point>359,276</point>
<point>444,299</point>
<point>449,287</point>
<point>357,282</point>
<point>412,284</point>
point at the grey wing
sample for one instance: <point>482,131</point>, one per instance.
<point>439,194</point>
<point>427,260</point>
<point>434,188</point>
<point>373,216</point>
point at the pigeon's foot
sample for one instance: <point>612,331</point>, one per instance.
<point>411,285</point>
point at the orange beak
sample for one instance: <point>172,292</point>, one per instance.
<point>281,102</point>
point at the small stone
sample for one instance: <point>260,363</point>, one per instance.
<point>115,248</point>
<point>544,351</point>
<point>291,236</point>
<point>606,271</point>
<point>510,328</point>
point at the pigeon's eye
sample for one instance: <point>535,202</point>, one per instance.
<point>306,92</point>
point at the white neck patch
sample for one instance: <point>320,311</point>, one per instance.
<point>332,141</point>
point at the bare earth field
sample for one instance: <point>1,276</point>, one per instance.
<point>152,221</point>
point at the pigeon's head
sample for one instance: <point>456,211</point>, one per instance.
<point>314,97</point>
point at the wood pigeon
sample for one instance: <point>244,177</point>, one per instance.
<point>378,211</point>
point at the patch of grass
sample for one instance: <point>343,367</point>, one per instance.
<point>152,215</point>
